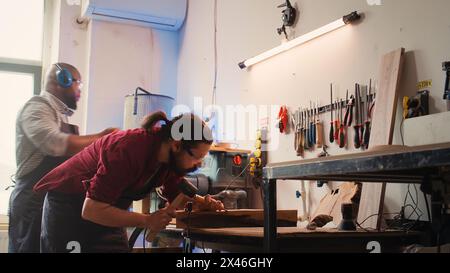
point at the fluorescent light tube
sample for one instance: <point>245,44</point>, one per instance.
<point>352,17</point>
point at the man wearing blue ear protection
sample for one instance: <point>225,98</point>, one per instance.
<point>44,139</point>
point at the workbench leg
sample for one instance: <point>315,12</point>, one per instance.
<point>270,215</point>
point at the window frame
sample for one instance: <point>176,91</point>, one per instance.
<point>34,69</point>
<point>21,67</point>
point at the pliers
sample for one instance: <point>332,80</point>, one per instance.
<point>348,119</point>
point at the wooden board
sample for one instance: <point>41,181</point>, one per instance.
<point>383,123</point>
<point>348,193</point>
<point>228,150</point>
<point>297,232</point>
<point>233,218</point>
<point>331,204</point>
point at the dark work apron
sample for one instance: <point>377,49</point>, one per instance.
<point>25,206</point>
<point>64,230</point>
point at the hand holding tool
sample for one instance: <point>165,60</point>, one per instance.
<point>188,193</point>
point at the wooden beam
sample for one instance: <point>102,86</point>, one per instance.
<point>233,218</point>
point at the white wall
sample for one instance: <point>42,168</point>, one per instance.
<point>52,12</point>
<point>123,57</point>
<point>346,56</point>
<point>113,59</point>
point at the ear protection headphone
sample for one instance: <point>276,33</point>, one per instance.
<point>63,77</point>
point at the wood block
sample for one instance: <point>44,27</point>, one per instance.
<point>331,203</point>
<point>383,123</point>
<point>233,218</point>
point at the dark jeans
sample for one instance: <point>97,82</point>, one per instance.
<point>63,230</point>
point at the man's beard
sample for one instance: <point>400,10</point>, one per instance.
<point>174,166</point>
<point>70,101</point>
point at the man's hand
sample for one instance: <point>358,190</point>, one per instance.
<point>160,219</point>
<point>210,204</point>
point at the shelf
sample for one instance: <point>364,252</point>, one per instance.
<point>228,150</point>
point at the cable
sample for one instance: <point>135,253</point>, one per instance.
<point>143,239</point>
<point>376,214</point>
<point>362,227</point>
<point>187,240</point>
<point>428,207</point>
<point>236,178</point>
<point>401,131</point>
<point>415,208</point>
<point>214,96</point>
<point>203,247</point>
<point>416,203</point>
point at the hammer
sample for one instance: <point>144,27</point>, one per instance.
<point>188,193</point>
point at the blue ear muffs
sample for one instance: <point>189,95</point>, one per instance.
<point>63,77</point>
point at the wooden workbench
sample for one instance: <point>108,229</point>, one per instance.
<point>298,240</point>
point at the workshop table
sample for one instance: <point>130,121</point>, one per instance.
<point>298,240</point>
<point>426,165</point>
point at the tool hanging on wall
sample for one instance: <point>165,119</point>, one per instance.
<point>312,126</point>
<point>357,126</point>
<point>349,111</point>
<point>309,127</point>
<point>298,142</point>
<point>363,113</point>
<point>367,129</point>
<point>446,69</point>
<point>341,128</point>
<point>289,16</point>
<point>336,122</point>
<point>283,118</point>
<point>331,138</point>
<point>306,129</point>
<point>319,129</point>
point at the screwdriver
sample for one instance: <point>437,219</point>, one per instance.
<point>313,125</point>
<point>302,129</point>
<point>357,139</point>
<point>306,130</point>
<point>331,121</point>
<point>319,128</point>
<point>366,137</point>
<point>341,129</point>
<point>336,123</point>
